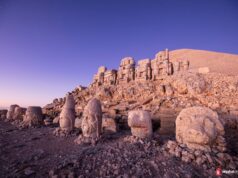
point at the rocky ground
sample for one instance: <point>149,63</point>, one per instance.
<point>36,152</point>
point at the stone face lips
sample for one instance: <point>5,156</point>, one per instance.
<point>200,128</point>
<point>92,119</point>
<point>33,116</point>
<point>67,115</point>
<point>140,123</point>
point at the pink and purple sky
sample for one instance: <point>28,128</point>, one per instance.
<point>48,47</point>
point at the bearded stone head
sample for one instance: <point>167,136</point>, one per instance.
<point>92,119</point>
<point>198,128</point>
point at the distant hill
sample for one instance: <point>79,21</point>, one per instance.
<point>216,61</point>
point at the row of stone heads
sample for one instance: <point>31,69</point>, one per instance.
<point>30,114</point>
<point>197,127</point>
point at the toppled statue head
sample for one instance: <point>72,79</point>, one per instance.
<point>67,115</point>
<point>92,121</point>
<point>33,116</point>
<point>10,113</point>
<point>19,113</point>
<point>200,128</point>
<point>140,123</point>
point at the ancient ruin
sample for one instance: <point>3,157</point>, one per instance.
<point>126,71</point>
<point>146,69</point>
<point>143,70</point>
<point>67,115</point>
<point>143,114</point>
<point>66,119</point>
<point>98,78</point>
<point>33,117</point>
<point>140,123</point>
<point>10,113</point>
<point>92,122</point>
<point>200,128</point>
<point>19,113</point>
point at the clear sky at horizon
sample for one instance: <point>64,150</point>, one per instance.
<point>48,47</point>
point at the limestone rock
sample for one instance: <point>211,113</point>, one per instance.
<point>33,116</point>
<point>199,128</point>
<point>140,123</point>
<point>67,115</point>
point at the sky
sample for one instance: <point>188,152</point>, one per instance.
<point>48,47</point>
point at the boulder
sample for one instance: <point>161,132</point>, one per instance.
<point>140,123</point>
<point>199,128</point>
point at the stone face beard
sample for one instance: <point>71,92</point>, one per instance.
<point>90,126</point>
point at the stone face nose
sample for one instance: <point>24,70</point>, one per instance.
<point>140,123</point>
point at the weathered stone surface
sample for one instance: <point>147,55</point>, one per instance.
<point>92,122</point>
<point>33,116</point>
<point>109,125</point>
<point>67,115</point>
<point>10,113</point>
<point>110,77</point>
<point>143,70</point>
<point>140,123</point>
<point>199,128</point>
<point>126,71</point>
<point>19,113</point>
<point>78,123</point>
<point>56,120</point>
<point>98,78</point>
<point>190,83</point>
<point>161,66</point>
<point>3,114</point>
